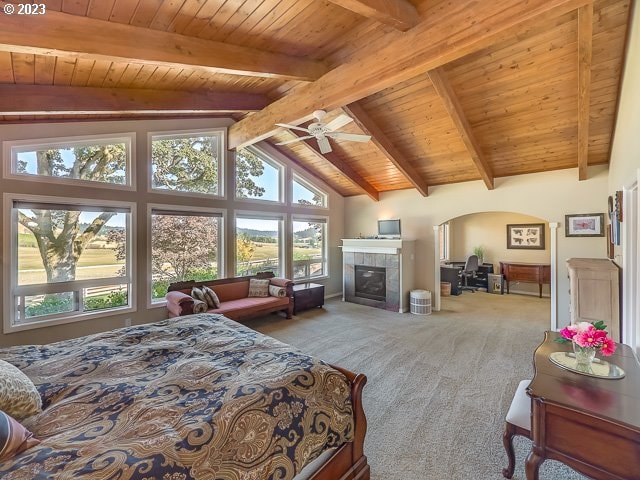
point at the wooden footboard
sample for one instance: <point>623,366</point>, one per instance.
<point>349,461</point>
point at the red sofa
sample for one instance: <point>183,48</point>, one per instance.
<point>233,294</point>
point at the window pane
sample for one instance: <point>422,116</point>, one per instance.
<point>309,258</point>
<point>183,247</point>
<point>103,298</point>
<point>96,161</point>
<point>71,244</point>
<point>257,246</point>
<point>186,163</point>
<point>305,194</point>
<point>256,177</point>
<point>50,304</point>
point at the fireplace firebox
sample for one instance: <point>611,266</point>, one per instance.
<point>371,282</point>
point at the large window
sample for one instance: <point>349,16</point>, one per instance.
<point>102,160</point>
<point>309,248</point>
<point>72,258</point>
<point>187,162</point>
<point>258,245</point>
<point>306,194</point>
<point>257,176</point>
<point>186,244</point>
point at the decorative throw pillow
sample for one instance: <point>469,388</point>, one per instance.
<point>14,438</point>
<point>198,294</point>
<point>258,288</point>
<point>276,291</point>
<point>211,297</point>
<point>18,395</point>
<point>199,306</point>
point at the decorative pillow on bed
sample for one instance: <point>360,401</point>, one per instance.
<point>14,438</point>
<point>199,306</point>
<point>18,395</point>
<point>258,288</point>
<point>276,291</point>
<point>210,297</point>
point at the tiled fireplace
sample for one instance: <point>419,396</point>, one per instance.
<point>378,273</point>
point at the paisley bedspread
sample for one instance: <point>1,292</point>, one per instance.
<point>199,397</point>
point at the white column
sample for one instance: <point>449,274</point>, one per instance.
<point>436,268</point>
<point>553,226</point>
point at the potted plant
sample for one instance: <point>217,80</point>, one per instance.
<point>479,252</point>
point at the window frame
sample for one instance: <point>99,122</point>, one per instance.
<point>280,217</point>
<point>444,241</point>
<point>222,193</point>
<point>10,275</point>
<point>220,213</point>
<point>309,186</point>
<point>325,245</point>
<point>11,147</point>
<point>268,159</point>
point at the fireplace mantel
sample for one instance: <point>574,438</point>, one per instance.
<point>395,255</point>
<point>368,245</point>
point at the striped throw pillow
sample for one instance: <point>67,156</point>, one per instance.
<point>211,298</point>
<point>14,438</point>
<point>18,395</point>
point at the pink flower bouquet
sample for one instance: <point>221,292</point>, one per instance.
<point>589,335</point>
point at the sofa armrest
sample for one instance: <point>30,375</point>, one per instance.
<point>283,283</point>
<point>179,303</point>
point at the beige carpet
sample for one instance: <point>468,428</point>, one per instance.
<point>439,385</point>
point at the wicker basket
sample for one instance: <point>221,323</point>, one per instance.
<point>445,289</point>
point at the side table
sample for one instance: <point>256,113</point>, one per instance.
<point>306,296</point>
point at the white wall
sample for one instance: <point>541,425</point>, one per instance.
<point>548,195</point>
<point>142,197</point>
<point>489,230</point>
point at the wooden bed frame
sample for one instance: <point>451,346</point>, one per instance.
<point>349,461</point>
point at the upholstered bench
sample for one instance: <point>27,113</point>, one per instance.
<point>518,422</point>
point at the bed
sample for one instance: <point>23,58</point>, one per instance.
<point>202,397</point>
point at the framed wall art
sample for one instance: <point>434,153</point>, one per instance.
<point>526,236</point>
<point>584,225</point>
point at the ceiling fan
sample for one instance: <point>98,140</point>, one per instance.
<point>322,132</point>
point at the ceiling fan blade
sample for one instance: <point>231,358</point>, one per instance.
<point>293,127</point>
<point>352,137</point>
<point>286,142</point>
<point>323,143</point>
<point>339,122</point>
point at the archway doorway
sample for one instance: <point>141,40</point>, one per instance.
<point>456,238</point>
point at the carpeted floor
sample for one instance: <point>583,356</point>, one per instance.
<point>439,386</point>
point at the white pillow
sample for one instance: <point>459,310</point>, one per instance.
<point>259,288</point>
<point>18,395</point>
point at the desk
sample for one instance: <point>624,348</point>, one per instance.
<point>589,424</point>
<point>539,273</point>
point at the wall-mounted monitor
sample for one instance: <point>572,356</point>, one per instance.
<point>389,228</point>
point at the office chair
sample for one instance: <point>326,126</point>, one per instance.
<point>469,271</point>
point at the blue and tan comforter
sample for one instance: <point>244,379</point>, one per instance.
<point>200,397</point>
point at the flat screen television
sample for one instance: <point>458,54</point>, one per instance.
<point>389,228</point>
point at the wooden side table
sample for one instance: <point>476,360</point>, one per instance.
<point>306,296</point>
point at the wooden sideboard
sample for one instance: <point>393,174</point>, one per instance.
<point>539,273</point>
<point>590,424</point>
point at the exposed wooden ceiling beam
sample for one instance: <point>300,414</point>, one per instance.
<point>54,100</point>
<point>454,109</point>
<point>341,165</point>
<point>385,146</point>
<point>63,34</point>
<point>455,32</point>
<point>585,49</point>
<point>399,14</point>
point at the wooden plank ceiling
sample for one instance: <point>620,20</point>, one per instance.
<point>449,91</point>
